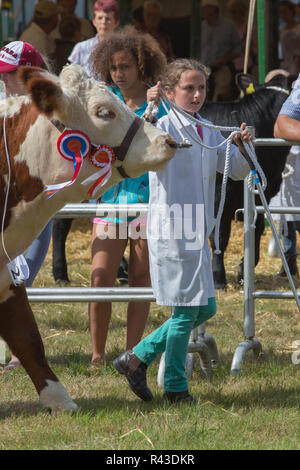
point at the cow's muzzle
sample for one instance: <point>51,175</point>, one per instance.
<point>178,145</point>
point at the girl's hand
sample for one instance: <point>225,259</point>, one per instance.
<point>154,93</point>
<point>245,136</point>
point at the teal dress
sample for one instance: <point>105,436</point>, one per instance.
<point>129,190</point>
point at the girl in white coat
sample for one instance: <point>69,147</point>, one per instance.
<point>180,220</point>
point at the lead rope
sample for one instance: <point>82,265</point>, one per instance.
<point>228,141</point>
<point>7,189</point>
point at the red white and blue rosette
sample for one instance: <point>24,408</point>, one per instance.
<point>102,158</point>
<point>73,146</point>
<point>71,143</point>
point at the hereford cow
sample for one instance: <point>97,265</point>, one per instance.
<point>258,109</point>
<point>29,136</point>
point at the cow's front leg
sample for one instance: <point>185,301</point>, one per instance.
<point>19,329</point>
<point>61,228</point>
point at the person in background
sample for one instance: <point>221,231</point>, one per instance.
<point>180,264</point>
<point>238,10</point>
<point>127,60</point>
<point>105,20</point>
<point>69,29</point>
<point>12,56</point>
<point>287,126</point>
<point>138,18</point>
<point>67,8</point>
<point>289,37</point>
<point>45,20</point>
<point>152,15</point>
<point>220,45</point>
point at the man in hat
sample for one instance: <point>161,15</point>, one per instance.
<point>220,45</point>
<point>105,20</point>
<point>44,21</point>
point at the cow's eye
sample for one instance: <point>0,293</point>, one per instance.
<point>105,113</point>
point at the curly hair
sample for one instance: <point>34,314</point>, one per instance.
<point>176,68</point>
<point>150,59</point>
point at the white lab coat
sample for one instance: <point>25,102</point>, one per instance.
<point>180,265</point>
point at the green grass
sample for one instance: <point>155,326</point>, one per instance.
<point>257,410</point>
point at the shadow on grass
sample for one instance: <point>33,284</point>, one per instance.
<point>92,406</point>
<point>269,398</point>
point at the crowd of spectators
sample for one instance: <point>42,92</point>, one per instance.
<point>57,33</point>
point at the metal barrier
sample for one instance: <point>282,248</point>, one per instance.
<point>79,294</point>
<point>200,342</point>
<point>250,342</point>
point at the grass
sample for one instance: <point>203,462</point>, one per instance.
<point>257,410</point>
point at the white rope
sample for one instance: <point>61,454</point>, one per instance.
<point>249,149</point>
<point>253,175</point>
<point>7,189</point>
<point>290,171</point>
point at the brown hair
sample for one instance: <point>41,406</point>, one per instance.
<point>144,48</point>
<point>107,6</point>
<point>176,68</point>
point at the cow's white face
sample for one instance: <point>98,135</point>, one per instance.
<point>85,104</point>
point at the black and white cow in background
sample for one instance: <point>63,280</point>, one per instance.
<point>258,109</point>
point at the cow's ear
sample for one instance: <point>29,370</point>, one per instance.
<point>246,82</point>
<point>25,73</point>
<point>45,92</point>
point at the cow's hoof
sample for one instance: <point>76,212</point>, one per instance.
<point>240,274</point>
<point>62,281</point>
<point>292,264</point>
<point>55,397</point>
<point>60,275</point>
<point>122,275</point>
<point>220,285</point>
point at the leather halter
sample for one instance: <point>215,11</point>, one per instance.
<point>121,150</point>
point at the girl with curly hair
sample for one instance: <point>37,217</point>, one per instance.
<point>128,61</point>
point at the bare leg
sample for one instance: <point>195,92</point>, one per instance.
<point>139,276</point>
<point>106,256</point>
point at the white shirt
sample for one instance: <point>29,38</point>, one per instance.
<point>82,51</point>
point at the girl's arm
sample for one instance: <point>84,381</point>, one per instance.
<point>154,94</point>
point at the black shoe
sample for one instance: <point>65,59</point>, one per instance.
<point>292,263</point>
<point>135,372</point>
<point>179,397</point>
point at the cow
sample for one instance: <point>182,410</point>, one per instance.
<point>31,127</point>
<point>258,109</point>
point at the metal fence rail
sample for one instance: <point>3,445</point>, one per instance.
<point>250,342</point>
<point>86,294</point>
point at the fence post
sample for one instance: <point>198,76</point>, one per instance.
<point>249,256</point>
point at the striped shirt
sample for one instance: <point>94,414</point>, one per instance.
<point>81,53</point>
<point>291,106</point>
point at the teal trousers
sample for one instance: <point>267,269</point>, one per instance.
<point>173,339</point>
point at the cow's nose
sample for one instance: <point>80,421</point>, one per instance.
<point>171,142</point>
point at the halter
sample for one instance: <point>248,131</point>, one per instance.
<point>120,151</point>
<point>75,146</point>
